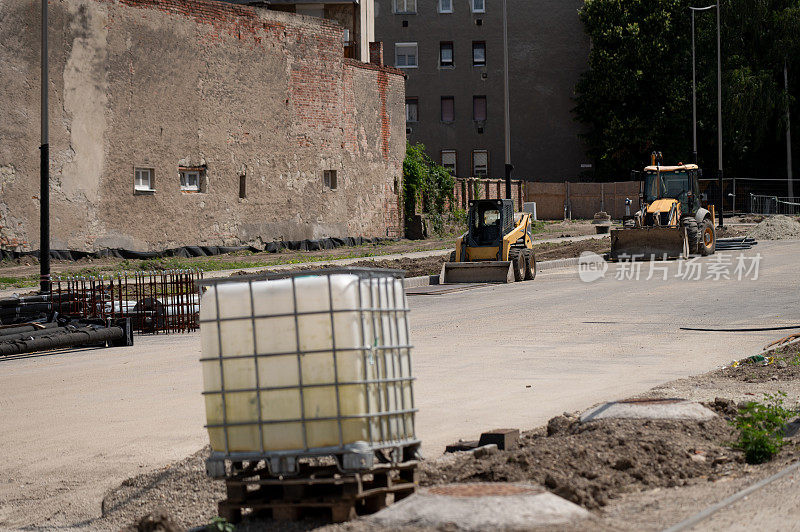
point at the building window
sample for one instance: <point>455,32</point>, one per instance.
<point>446,54</point>
<point>479,53</point>
<point>143,180</point>
<point>480,163</point>
<point>310,10</point>
<point>242,186</point>
<point>405,6</point>
<point>412,110</point>
<point>192,179</point>
<point>449,160</point>
<point>405,55</point>
<point>478,6</point>
<point>329,179</point>
<point>445,6</point>
<point>448,109</point>
<point>479,108</point>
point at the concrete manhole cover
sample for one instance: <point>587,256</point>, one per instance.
<point>483,490</point>
<point>480,507</point>
<point>646,401</point>
<point>643,408</point>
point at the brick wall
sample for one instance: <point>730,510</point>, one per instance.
<point>233,90</point>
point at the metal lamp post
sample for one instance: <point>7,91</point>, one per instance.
<point>508,166</point>
<point>719,103</point>
<point>44,192</point>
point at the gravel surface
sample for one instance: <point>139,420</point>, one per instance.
<point>776,227</point>
<point>182,490</point>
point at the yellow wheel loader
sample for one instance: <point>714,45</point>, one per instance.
<point>497,247</point>
<point>670,223</point>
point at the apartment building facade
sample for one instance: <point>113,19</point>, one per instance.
<point>452,54</point>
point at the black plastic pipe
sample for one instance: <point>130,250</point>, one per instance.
<point>74,339</point>
<point>25,329</point>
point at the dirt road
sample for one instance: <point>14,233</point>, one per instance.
<point>77,424</point>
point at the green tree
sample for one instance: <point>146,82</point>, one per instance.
<point>427,186</point>
<point>636,96</point>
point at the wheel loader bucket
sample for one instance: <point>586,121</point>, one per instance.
<point>647,243</point>
<point>497,271</point>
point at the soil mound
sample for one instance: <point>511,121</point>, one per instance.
<point>591,463</point>
<point>777,227</point>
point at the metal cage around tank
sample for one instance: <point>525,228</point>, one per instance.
<point>380,317</point>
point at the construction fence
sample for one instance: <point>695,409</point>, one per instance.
<point>557,201</point>
<point>554,201</point>
<point>470,188</point>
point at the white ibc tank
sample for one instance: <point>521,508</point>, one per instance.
<point>306,363</point>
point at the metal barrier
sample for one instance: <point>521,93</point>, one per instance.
<point>157,302</point>
<point>774,205</point>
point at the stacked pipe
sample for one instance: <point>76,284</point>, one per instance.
<point>27,308</point>
<point>735,243</point>
<point>33,337</point>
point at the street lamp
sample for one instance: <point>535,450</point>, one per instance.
<point>508,166</point>
<point>719,103</point>
<point>44,170</point>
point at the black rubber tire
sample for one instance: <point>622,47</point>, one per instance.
<point>707,244</point>
<point>453,256</point>
<point>517,264</point>
<point>692,232</point>
<point>530,265</point>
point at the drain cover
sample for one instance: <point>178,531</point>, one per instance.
<point>482,490</point>
<point>646,401</point>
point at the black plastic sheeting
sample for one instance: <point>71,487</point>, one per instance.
<point>200,251</point>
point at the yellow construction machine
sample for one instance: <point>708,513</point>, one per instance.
<point>671,223</point>
<point>497,247</point>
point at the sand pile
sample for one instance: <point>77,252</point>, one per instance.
<point>776,227</point>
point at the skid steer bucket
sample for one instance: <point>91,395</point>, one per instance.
<point>647,243</point>
<point>498,271</point>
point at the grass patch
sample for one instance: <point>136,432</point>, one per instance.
<point>19,282</point>
<point>761,428</point>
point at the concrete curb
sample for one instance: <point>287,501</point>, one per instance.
<point>427,280</point>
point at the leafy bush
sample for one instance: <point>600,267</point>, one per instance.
<point>220,524</point>
<point>426,185</point>
<point>761,428</point>
<point>459,216</point>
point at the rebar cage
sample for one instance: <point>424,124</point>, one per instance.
<point>156,302</point>
<point>375,368</point>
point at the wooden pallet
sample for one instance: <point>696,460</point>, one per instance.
<point>317,490</point>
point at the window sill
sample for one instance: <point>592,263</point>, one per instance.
<point>405,12</point>
<point>405,67</point>
<point>479,65</point>
<point>447,67</point>
<point>190,191</point>
<point>144,191</point>
<point>447,122</point>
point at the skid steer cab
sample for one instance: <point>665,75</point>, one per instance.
<point>497,247</point>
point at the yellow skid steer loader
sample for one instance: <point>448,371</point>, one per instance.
<point>497,247</point>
